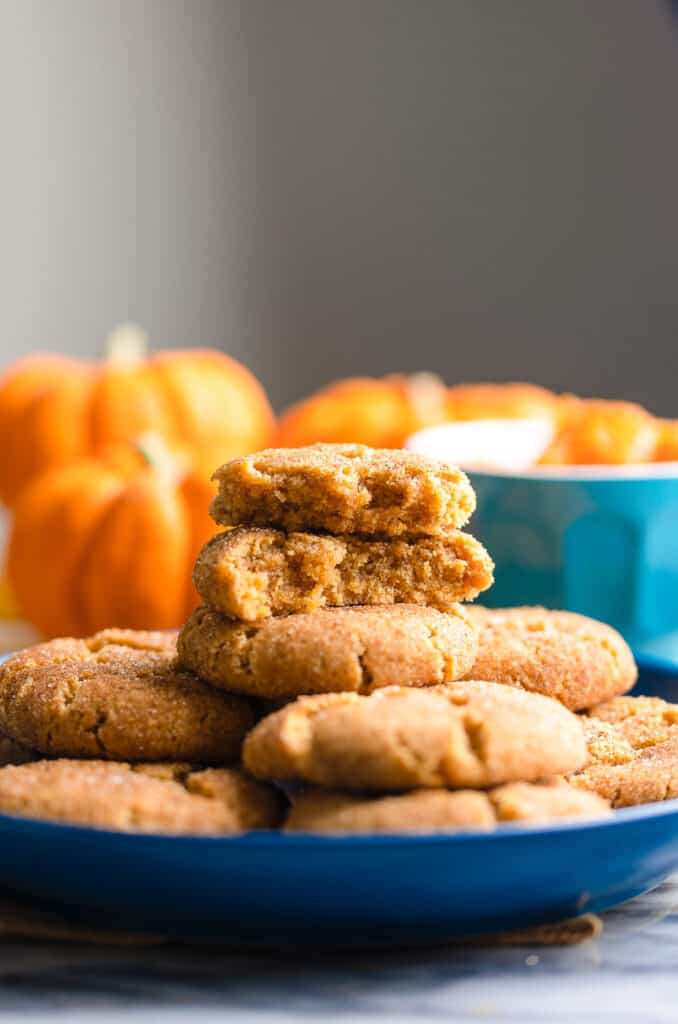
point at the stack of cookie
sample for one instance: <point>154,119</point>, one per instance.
<point>332,599</point>
<point>342,574</point>
<point>336,590</point>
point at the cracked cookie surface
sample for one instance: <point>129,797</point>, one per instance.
<point>441,810</point>
<point>633,751</point>
<point>168,798</point>
<point>118,695</point>
<point>333,649</point>
<point>470,734</point>
<point>577,660</point>
<point>251,573</point>
<point>343,488</point>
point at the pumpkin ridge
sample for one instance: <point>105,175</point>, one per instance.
<point>80,603</point>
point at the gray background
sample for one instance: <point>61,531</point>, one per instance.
<point>323,187</point>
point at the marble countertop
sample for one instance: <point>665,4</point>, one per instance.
<point>629,974</point>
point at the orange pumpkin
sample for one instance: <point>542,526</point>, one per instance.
<point>110,541</point>
<point>600,432</point>
<point>499,401</point>
<point>667,442</point>
<point>378,412</point>
<point>54,410</point>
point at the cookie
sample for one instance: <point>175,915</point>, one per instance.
<point>577,660</point>
<point>118,695</point>
<point>252,573</point>
<point>333,649</point>
<point>641,721</point>
<point>170,798</point>
<point>441,810</point>
<point>465,735</point>
<point>633,751</point>
<point>651,774</point>
<point>343,488</point>
<point>604,744</point>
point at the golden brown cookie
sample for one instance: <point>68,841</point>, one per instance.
<point>463,734</point>
<point>441,810</point>
<point>169,798</point>
<point>641,721</point>
<point>251,573</point>
<point>604,744</point>
<point>343,488</point>
<point>330,650</point>
<point>118,695</point>
<point>577,660</point>
<point>633,751</point>
<point>652,774</point>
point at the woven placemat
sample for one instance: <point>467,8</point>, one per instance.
<point>20,921</point>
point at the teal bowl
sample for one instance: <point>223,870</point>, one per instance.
<point>602,541</point>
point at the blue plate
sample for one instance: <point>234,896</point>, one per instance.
<point>270,890</point>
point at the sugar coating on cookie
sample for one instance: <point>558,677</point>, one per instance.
<point>343,488</point>
<point>441,810</point>
<point>168,798</point>
<point>358,649</point>
<point>118,695</point>
<point>641,721</point>
<point>633,751</point>
<point>649,776</point>
<point>471,734</point>
<point>251,573</point>
<point>577,660</point>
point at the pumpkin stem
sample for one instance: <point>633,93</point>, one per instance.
<point>126,345</point>
<point>157,455</point>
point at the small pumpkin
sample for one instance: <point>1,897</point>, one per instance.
<point>54,409</point>
<point>667,441</point>
<point>111,541</point>
<point>500,401</point>
<point>602,432</point>
<point>365,410</point>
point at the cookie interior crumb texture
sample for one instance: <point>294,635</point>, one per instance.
<point>253,573</point>
<point>343,488</point>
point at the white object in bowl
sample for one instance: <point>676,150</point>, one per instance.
<point>509,445</point>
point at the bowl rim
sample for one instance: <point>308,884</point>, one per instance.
<point>647,472</point>
<point>617,472</point>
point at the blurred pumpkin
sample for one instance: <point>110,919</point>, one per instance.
<point>499,401</point>
<point>8,605</point>
<point>54,409</point>
<point>111,541</point>
<point>595,432</point>
<point>667,441</point>
<point>366,410</point>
